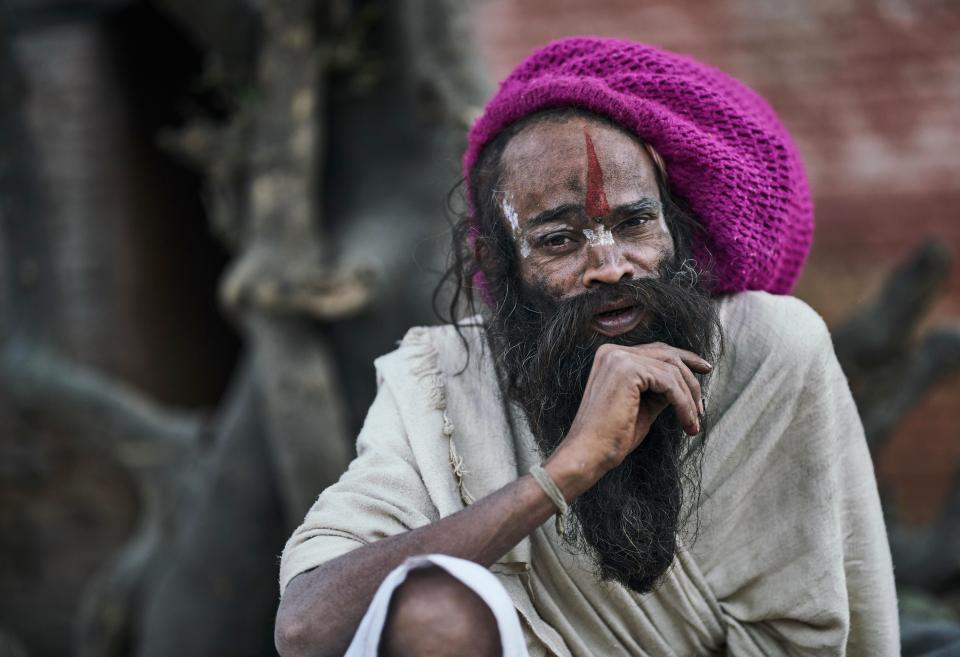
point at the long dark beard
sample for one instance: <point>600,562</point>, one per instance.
<point>628,521</point>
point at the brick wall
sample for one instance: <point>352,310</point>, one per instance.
<point>871,93</point>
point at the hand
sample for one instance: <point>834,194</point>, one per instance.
<point>627,389</point>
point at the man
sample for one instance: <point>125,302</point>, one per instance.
<point>630,213</point>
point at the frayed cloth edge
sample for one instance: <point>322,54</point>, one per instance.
<point>426,367</point>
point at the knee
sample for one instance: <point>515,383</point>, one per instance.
<point>433,613</point>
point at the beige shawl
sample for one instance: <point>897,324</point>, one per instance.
<point>791,555</point>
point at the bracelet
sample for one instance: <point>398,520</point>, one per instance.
<point>550,488</point>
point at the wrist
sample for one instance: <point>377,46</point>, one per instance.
<point>571,471</point>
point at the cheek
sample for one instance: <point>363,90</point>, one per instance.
<point>649,255</point>
<point>652,249</point>
<point>559,275</point>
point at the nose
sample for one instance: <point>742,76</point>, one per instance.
<point>605,264</point>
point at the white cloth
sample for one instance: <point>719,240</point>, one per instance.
<point>789,556</point>
<point>366,642</point>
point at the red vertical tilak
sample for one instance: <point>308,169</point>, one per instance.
<point>596,201</point>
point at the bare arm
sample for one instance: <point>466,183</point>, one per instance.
<point>321,608</point>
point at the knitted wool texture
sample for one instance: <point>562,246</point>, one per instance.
<point>726,152</point>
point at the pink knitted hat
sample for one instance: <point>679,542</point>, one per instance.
<point>725,150</point>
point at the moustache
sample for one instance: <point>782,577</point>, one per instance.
<point>564,321</point>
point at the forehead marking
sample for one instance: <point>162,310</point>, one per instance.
<point>510,213</point>
<point>596,201</point>
<point>602,236</point>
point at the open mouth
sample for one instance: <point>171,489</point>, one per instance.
<point>616,319</point>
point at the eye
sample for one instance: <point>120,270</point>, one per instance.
<point>635,221</point>
<point>556,241</point>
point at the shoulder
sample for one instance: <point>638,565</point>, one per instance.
<point>787,319</point>
<point>773,326</point>
<point>433,350</point>
<point>776,339</point>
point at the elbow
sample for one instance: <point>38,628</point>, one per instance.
<point>306,625</point>
<point>291,636</point>
<point>288,635</point>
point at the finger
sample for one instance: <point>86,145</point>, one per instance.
<point>690,359</point>
<point>668,381</point>
<point>691,381</point>
<point>693,361</point>
<point>672,356</point>
<point>650,408</point>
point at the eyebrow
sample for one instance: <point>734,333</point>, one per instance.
<point>553,214</point>
<point>645,204</point>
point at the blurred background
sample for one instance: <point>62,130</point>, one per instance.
<point>216,213</point>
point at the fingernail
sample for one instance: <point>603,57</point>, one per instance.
<point>702,410</point>
<point>707,365</point>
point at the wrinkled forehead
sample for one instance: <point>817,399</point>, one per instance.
<point>547,162</point>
